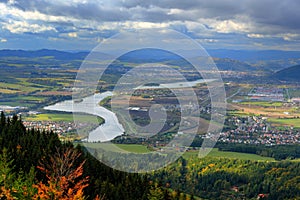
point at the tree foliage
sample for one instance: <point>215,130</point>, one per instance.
<point>65,179</point>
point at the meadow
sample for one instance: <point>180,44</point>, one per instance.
<point>134,148</point>
<point>262,103</point>
<point>215,153</point>
<point>285,122</point>
<point>65,117</point>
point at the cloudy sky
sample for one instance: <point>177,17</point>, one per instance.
<point>82,24</point>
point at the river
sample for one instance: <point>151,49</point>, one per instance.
<point>111,128</point>
<point>90,105</point>
<point>177,84</point>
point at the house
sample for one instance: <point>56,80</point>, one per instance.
<point>262,196</point>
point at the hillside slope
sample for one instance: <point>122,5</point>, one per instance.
<point>291,74</point>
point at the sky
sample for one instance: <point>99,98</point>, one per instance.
<point>215,24</point>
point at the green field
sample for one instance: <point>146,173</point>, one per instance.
<point>227,154</point>
<point>239,113</point>
<point>135,148</point>
<point>285,122</point>
<point>14,103</point>
<point>262,103</point>
<point>19,87</point>
<point>66,117</point>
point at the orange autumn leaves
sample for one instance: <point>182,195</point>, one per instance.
<point>65,181</point>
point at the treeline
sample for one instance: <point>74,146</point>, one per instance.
<point>278,152</point>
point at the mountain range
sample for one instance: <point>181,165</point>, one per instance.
<point>236,60</point>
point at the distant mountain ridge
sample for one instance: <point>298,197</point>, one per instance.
<point>140,56</point>
<point>60,55</point>
<point>227,64</point>
<point>254,55</point>
<point>291,74</point>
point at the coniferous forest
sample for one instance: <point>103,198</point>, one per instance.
<point>35,164</point>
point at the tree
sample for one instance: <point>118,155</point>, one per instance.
<point>64,176</point>
<point>155,193</point>
<point>6,177</point>
<point>12,185</point>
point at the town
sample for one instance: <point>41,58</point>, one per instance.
<point>256,130</point>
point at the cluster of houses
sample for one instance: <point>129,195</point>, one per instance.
<point>60,127</point>
<point>256,130</point>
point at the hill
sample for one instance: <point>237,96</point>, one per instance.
<point>254,55</point>
<point>290,74</point>
<point>59,55</point>
<point>43,56</point>
<point>226,64</point>
<point>270,60</point>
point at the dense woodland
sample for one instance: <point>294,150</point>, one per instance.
<point>278,152</point>
<point>35,164</point>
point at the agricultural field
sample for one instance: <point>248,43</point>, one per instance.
<point>35,82</point>
<point>264,104</point>
<point>285,122</point>
<point>135,148</point>
<point>215,153</point>
<point>58,117</point>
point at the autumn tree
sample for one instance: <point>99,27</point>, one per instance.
<point>64,176</point>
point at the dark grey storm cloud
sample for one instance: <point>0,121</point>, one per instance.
<point>227,23</point>
<point>283,13</point>
<point>277,13</point>
<point>90,10</point>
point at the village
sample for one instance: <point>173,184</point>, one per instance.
<point>256,130</point>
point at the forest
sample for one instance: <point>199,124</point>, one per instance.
<point>35,164</point>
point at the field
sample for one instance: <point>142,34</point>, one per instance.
<point>285,122</point>
<point>135,148</point>
<point>267,111</point>
<point>66,117</point>
<point>35,82</point>
<point>262,103</point>
<point>143,149</point>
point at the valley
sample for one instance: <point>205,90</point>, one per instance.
<point>261,126</point>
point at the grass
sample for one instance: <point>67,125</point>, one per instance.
<point>18,87</point>
<point>28,98</point>
<point>262,103</point>
<point>66,117</point>
<point>295,122</point>
<point>14,103</point>
<point>51,117</point>
<point>8,91</point>
<point>239,113</point>
<point>134,148</point>
<point>215,153</point>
